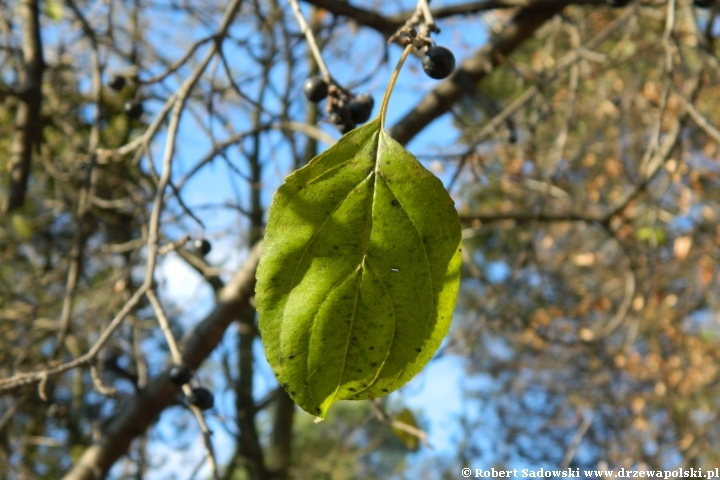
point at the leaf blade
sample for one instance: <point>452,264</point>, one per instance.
<point>359,272</point>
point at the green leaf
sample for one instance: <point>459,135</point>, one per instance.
<point>651,235</point>
<point>412,442</point>
<point>21,226</point>
<point>359,272</point>
<point>54,9</point>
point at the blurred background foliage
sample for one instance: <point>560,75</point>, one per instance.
<point>585,168</point>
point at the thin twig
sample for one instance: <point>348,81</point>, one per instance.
<point>98,383</point>
<point>310,37</point>
<point>383,416</point>
<point>187,389</point>
<point>622,310</point>
<point>422,5</point>
<point>178,63</point>
<point>575,443</point>
<point>165,327</point>
<point>699,119</point>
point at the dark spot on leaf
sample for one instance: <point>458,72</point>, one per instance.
<point>355,339</point>
<point>336,247</point>
<point>351,389</point>
<point>372,348</point>
<point>373,364</point>
<point>359,370</point>
<point>385,390</point>
<point>285,385</point>
<point>318,411</point>
<point>394,202</point>
<point>418,349</point>
<point>291,357</point>
<point>292,393</point>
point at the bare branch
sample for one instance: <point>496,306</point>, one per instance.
<point>142,410</point>
<point>27,120</point>
<point>472,70</point>
<point>312,44</point>
<point>359,15</point>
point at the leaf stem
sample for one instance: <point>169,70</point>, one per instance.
<point>391,85</point>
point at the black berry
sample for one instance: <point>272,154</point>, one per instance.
<point>134,110</point>
<point>315,89</point>
<point>202,247</point>
<point>202,398</point>
<point>438,62</point>
<point>361,108</point>
<point>117,83</point>
<point>180,374</point>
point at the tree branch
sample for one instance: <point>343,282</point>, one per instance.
<point>27,120</point>
<point>439,101</point>
<point>363,17</point>
<point>143,409</point>
<point>484,6</point>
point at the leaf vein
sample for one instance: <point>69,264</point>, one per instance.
<point>387,355</point>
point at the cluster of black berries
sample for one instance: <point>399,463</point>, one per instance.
<point>346,110</point>
<point>201,397</point>
<point>133,108</point>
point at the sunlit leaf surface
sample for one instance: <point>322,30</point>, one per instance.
<point>359,273</point>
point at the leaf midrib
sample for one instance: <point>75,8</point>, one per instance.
<point>368,231</point>
<point>376,172</point>
<point>312,240</point>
